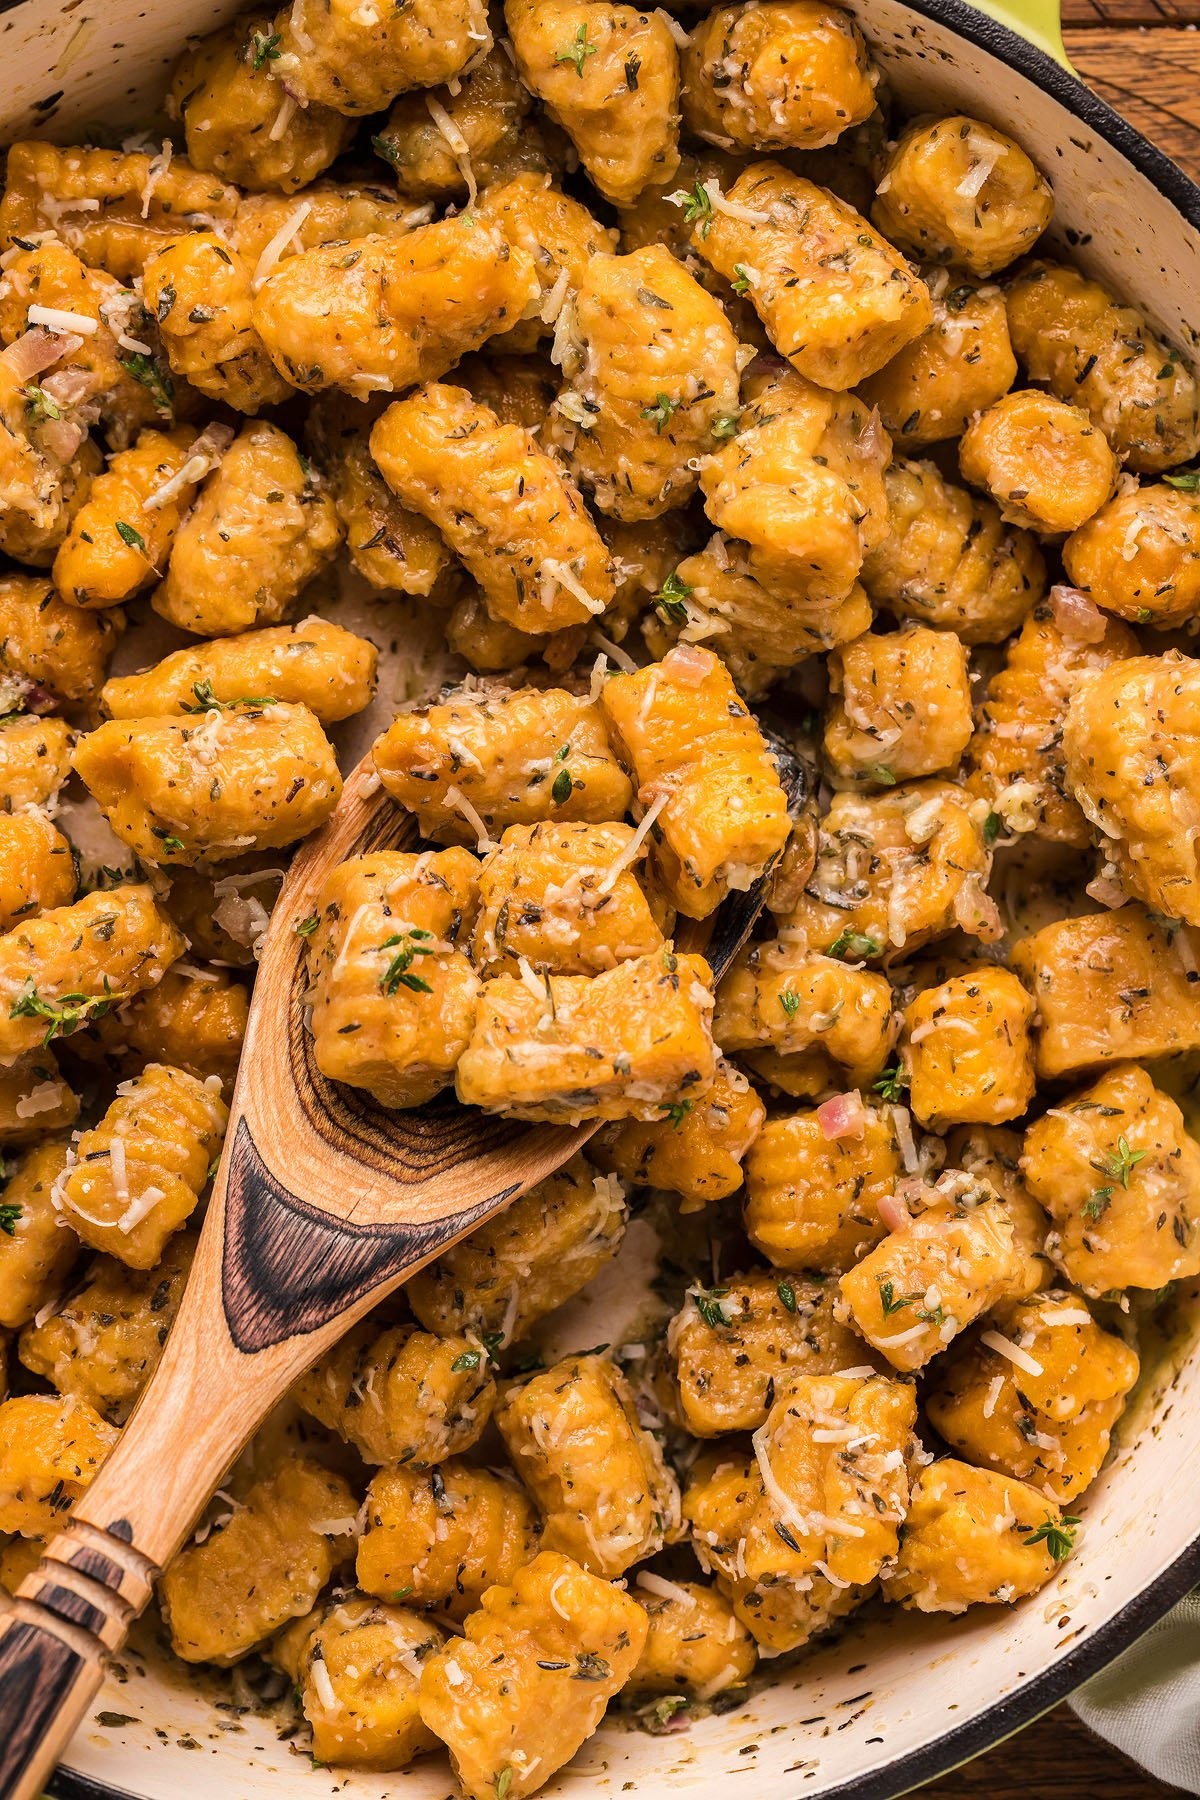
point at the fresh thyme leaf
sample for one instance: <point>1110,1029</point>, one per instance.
<point>384,147</point>
<point>561,791</point>
<point>891,1302</point>
<point>678,1111</point>
<point>660,412</point>
<point>708,1305</point>
<point>264,48</point>
<point>470,1359</point>
<point>1058,1535</point>
<point>306,927</point>
<point>68,1013</point>
<point>1120,1163</point>
<point>1187,481</point>
<point>40,404</point>
<point>742,280</point>
<point>991,828</point>
<point>143,368</point>
<point>854,944</point>
<point>892,1083</point>
<point>397,974</point>
<point>133,538</point>
<point>10,1212</point>
<point>577,53</point>
<point>790,1002</point>
<point>671,598</point>
<point>787,1294</point>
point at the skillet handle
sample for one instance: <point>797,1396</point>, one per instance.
<point>1039,22</point>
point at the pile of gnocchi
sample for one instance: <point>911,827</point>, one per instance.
<point>701,403</point>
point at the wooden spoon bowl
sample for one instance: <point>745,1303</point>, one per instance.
<point>323,1202</point>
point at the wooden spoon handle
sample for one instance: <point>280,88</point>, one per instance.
<point>273,1285</point>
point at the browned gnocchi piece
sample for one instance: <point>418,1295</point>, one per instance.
<point>566,900</point>
<point>46,643</point>
<point>788,74</point>
<point>1035,1394</point>
<point>483,759</point>
<point>924,872</point>
<point>1139,556</point>
<point>35,1098</point>
<point>201,291</point>
<point>127,203</point>
<point>313,663</point>
<point>609,75</point>
<point>35,759</point>
<point>136,1177</point>
<point>262,1564</point>
<point>698,1151</point>
<point>356,60</point>
<point>121,537</point>
<point>835,298</point>
<point>374,314</point>
<point>704,774</point>
<point>800,480</point>
<point>1120,1178</point>
<point>238,119</point>
<point>50,1452</point>
<point>104,1342</point>
<point>357,1665</point>
<point>695,1642</point>
<point>260,530</point>
<point>928,1280</point>
<point>737,1344</point>
<point>950,560</point>
<point>651,364</point>
<point>394,995</point>
<point>1133,764</point>
<point>955,190</point>
<point>444,1538</point>
<point>1110,986</point>
<point>239,778</point>
<point>969,1049</point>
<point>974,1537</point>
<point>960,365</point>
<point>36,1251</point>
<point>76,962</point>
<point>1087,347</point>
<point>1044,462</point>
<point>812,1200</point>
<point>464,136</point>
<point>899,699</point>
<point>501,504</point>
<point>505,1696</point>
<point>535,1255</point>
<point>1016,760</point>
<point>631,1043</point>
<point>597,1474</point>
<point>400,1396</point>
<point>780,996</point>
<point>37,868</point>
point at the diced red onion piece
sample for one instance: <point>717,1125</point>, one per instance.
<point>1076,614</point>
<point>894,1213</point>
<point>37,349</point>
<point>842,1117</point>
<point>689,665</point>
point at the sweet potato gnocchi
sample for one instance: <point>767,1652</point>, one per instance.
<point>592,416</point>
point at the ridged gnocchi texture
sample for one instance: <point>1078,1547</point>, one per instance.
<point>677,478</point>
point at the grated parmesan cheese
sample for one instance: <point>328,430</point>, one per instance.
<point>458,145</point>
<point>633,848</point>
<point>1004,1347</point>
<point>274,248</point>
<point>55,319</point>
<point>457,799</point>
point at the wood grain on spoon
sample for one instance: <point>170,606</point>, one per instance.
<point>323,1202</point>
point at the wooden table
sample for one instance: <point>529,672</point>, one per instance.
<point>1140,56</point>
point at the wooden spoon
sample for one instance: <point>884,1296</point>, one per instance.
<point>323,1203</point>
